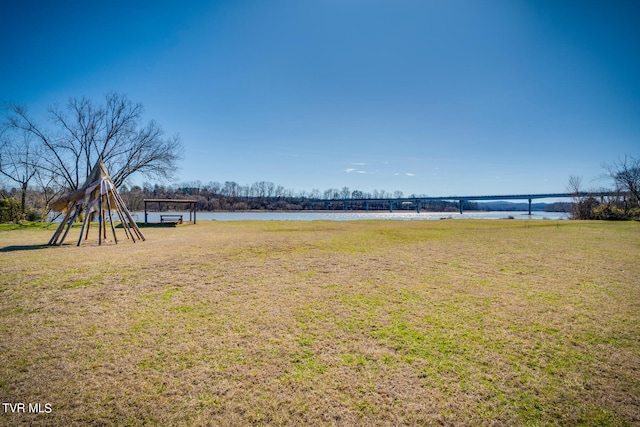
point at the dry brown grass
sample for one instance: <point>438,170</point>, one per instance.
<point>326,323</point>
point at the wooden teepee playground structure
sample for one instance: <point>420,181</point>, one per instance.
<point>97,197</point>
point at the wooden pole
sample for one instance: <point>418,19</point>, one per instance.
<point>104,219</point>
<point>123,220</point>
<point>103,229</point>
<point>55,236</point>
<point>100,220</point>
<point>85,224</point>
<point>134,226</point>
<point>113,229</point>
<point>73,217</point>
<point>90,216</point>
<point>126,219</point>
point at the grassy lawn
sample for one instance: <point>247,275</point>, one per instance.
<point>464,322</point>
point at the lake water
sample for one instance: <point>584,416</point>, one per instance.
<point>353,216</point>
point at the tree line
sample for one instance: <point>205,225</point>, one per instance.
<point>263,195</point>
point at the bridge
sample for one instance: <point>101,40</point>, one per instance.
<point>460,199</point>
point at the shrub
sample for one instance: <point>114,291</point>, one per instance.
<point>634,214</point>
<point>34,215</point>
<point>10,210</point>
<point>608,212</point>
<point>584,209</point>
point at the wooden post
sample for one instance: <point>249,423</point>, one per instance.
<point>104,221</point>
<point>113,229</point>
<point>123,220</point>
<point>73,217</point>
<point>55,236</point>
<point>134,226</point>
<point>90,217</point>
<point>100,220</point>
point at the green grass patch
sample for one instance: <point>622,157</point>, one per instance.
<point>28,225</point>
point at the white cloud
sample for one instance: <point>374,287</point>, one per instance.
<point>358,164</point>
<point>410,174</point>
<point>349,170</point>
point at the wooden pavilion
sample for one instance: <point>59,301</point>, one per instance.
<point>171,218</point>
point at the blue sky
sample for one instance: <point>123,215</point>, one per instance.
<point>436,97</point>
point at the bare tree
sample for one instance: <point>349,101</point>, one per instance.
<point>582,207</point>
<point>50,188</point>
<point>574,186</point>
<point>315,193</point>
<point>626,176</point>
<point>84,132</point>
<point>19,158</point>
<point>357,194</point>
<point>345,193</point>
<point>270,188</point>
<point>231,189</point>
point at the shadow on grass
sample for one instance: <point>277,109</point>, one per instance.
<point>157,225</point>
<point>24,247</point>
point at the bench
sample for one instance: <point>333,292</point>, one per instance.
<point>170,219</point>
